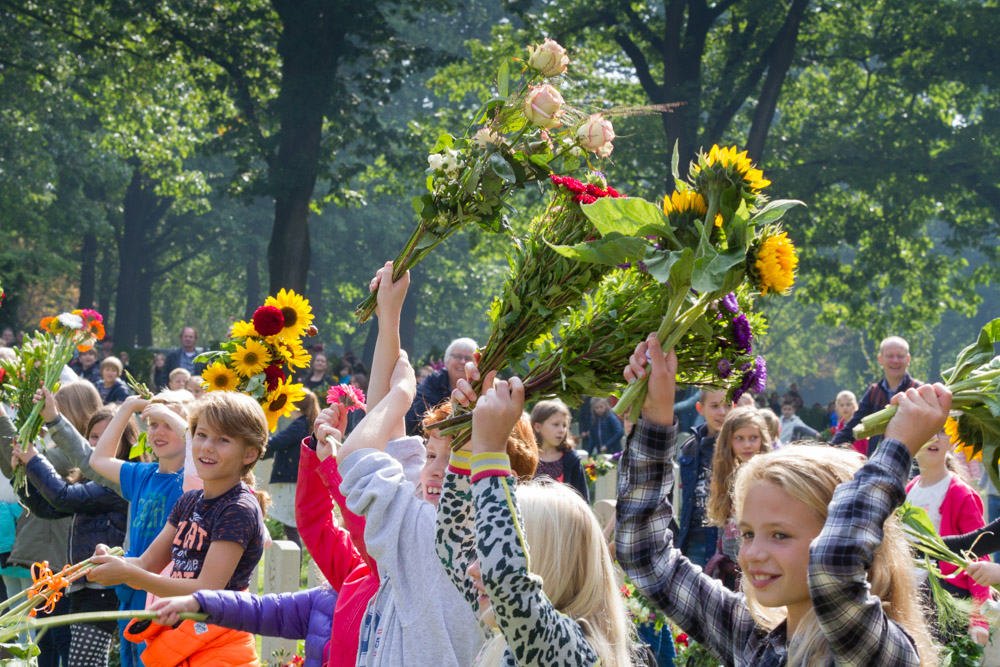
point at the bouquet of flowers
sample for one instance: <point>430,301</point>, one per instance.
<point>641,610</point>
<point>600,465</point>
<point>526,132</point>
<point>39,361</point>
<point>974,381</point>
<point>709,237</point>
<point>257,354</point>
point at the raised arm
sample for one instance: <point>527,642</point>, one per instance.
<point>852,619</point>
<point>389,305</point>
<point>714,616</point>
<point>85,497</point>
<point>103,459</point>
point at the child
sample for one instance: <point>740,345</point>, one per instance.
<point>214,536</point>
<point>151,488</point>
<point>606,430</point>
<point>111,387</point>
<point>695,537</point>
<point>846,406</point>
<point>417,617</point>
<point>159,378</point>
<point>557,458</point>
<point>792,427</point>
<point>86,367</point>
<point>744,435</point>
<point>954,508</point>
<point>99,516</point>
<point>825,565</point>
<point>565,608</point>
<point>178,379</point>
<point>773,423</point>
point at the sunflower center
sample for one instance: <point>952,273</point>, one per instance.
<point>278,403</point>
<point>251,359</point>
<point>290,316</point>
<point>221,381</point>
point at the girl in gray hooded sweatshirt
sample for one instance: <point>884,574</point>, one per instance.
<point>417,617</point>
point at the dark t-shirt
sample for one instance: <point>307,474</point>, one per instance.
<point>234,516</point>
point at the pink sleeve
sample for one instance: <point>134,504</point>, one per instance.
<point>330,545</point>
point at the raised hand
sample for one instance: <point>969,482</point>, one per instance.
<point>921,415</point>
<point>390,294</point>
<point>662,367</point>
<point>496,412</point>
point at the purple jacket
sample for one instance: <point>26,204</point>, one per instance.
<point>304,614</point>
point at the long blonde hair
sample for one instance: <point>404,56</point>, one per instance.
<point>239,416</point>
<point>810,474</point>
<point>724,463</point>
<point>77,401</point>
<point>570,557</point>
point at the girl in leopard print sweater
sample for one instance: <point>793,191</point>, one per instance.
<point>561,607</point>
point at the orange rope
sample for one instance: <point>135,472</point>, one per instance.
<point>47,584</point>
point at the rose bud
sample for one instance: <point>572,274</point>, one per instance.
<point>595,134</point>
<point>312,330</point>
<point>549,58</point>
<point>543,106</point>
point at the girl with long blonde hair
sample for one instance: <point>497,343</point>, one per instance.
<point>544,577</point>
<point>827,573</point>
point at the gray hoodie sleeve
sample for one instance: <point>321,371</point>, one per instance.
<point>76,448</point>
<point>399,528</point>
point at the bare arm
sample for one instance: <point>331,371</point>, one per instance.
<point>385,419</point>
<point>390,303</point>
<point>103,460</point>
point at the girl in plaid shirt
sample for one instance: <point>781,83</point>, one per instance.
<point>827,576</point>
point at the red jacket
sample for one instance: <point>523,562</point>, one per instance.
<point>961,512</point>
<point>339,552</point>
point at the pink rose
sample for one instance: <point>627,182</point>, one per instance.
<point>596,134</point>
<point>543,106</point>
<point>549,58</point>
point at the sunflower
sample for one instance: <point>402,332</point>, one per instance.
<point>296,311</point>
<point>725,167</point>
<point>962,447</point>
<point>251,358</point>
<point>219,377</point>
<point>242,329</point>
<point>776,263</point>
<point>297,357</point>
<point>684,200</point>
<point>281,402</point>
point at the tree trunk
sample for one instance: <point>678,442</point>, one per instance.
<point>88,271</point>
<point>309,46</point>
<point>144,312</point>
<point>781,51</point>
<point>252,283</point>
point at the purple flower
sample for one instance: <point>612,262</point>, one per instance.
<point>624,266</point>
<point>760,375</point>
<point>616,456</point>
<point>742,335</point>
<point>724,368</point>
<point>730,302</point>
<point>641,265</point>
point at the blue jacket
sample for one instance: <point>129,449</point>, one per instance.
<point>284,447</point>
<point>304,615</point>
<point>607,432</point>
<point>435,388</point>
<point>117,394</point>
<point>695,460</point>
<point>99,514</point>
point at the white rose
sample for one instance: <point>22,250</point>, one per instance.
<point>595,133</point>
<point>543,106</point>
<point>549,58</point>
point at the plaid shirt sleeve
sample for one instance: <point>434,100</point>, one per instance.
<point>858,630</point>
<point>714,616</point>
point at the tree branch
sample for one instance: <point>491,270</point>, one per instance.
<point>635,54</point>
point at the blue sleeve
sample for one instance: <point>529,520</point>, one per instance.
<point>615,431</point>
<point>130,477</point>
<point>85,497</point>
<point>291,436</point>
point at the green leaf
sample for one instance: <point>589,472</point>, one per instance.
<point>612,249</point>
<point>502,168</point>
<point>255,383</point>
<point>140,447</point>
<point>681,270</point>
<point>630,216</point>
<point>206,357</point>
<point>975,355</point>
<point>711,268</point>
<point>660,263</point>
<point>23,651</point>
<point>774,211</point>
<point>503,79</point>
<point>675,162</point>
<point>444,140</point>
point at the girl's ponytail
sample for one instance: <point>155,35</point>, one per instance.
<point>262,496</point>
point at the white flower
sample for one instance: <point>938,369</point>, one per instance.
<point>71,321</point>
<point>435,161</point>
<point>595,133</point>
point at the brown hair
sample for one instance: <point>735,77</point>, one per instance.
<point>239,416</point>
<point>724,464</point>
<point>309,407</point>
<point>113,361</point>
<point>77,401</point>
<point>521,447</point>
<point>129,437</point>
<point>541,413</point>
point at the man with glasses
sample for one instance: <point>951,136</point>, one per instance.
<point>438,385</point>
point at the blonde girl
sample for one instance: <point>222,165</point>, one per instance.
<point>826,570</point>
<point>561,609</point>
<point>557,459</point>
<point>743,436</point>
<point>214,536</point>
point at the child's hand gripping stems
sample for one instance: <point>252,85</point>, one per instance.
<point>658,407</point>
<point>329,428</point>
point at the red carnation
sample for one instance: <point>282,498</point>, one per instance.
<point>268,320</point>
<point>614,194</point>
<point>273,373</point>
<point>682,639</point>
<point>585,199</point>
<point>574,185</point>
<point>595,191</point>
<point>558,180</point>
<point>3,374</point>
